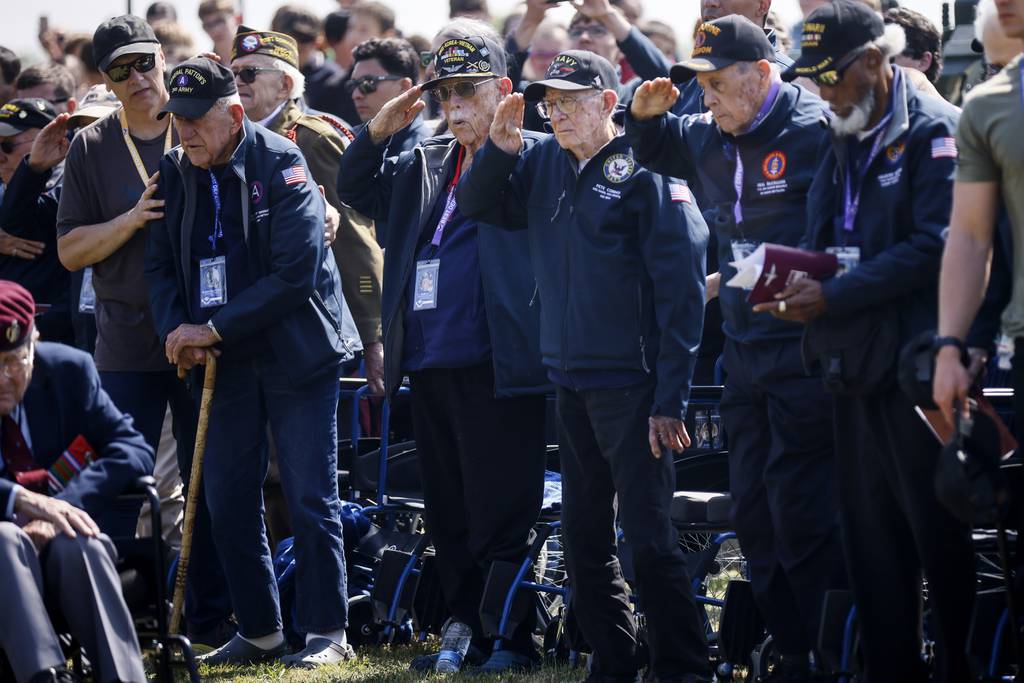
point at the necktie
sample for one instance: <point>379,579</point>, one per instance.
<point>18,457</point>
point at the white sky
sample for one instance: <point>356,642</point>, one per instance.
<point>19,27</point>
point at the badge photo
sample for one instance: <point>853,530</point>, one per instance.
<point>774,165</point>
<point>619,167</point>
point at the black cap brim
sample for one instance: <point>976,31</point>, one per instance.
<point>537,89</point>
<point>431,84</point>
<point>187,107</point>
<point>687,69</point>
<point>808,68</point>
<point>8,130</point>
<point>139,48</point>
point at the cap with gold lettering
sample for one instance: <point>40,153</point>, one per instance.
<point>468,57</point>
<point>19,115</point>
<point>195,85</point>
<point>832,32</point>
<point>281,46</point>
<point>721,43</point>
<point>17,310</point>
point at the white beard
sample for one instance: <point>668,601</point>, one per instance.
<point>857,120</point>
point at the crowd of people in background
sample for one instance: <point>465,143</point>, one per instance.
<point>510,208</point>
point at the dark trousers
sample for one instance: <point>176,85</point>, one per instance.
<point>783,483</point>
<point>606,458</point>
<point>893,530</point>
<point>250,395</point>
<point>145,396</point>
<point>483,482</point>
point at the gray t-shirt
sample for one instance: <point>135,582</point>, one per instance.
<point>101,183</point>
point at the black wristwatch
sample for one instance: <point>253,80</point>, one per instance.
<point>939,342</point>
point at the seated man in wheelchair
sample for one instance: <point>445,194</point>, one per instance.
<point>66,452</point>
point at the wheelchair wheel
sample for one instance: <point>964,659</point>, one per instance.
<point>550,570</point>
<point>713,562</point>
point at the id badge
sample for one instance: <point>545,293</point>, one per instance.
<point>741,249</point>
<point>849,258</point>
<point>425,294</point>
<point>87,297</point>
<point>213,282</point>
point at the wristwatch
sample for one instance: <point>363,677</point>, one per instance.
<point>209,323</point>
<point>939,342</point>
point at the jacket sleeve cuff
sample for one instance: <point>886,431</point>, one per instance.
<point>836,301</point>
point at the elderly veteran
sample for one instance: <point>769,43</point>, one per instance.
<point>65,453</point>
<point>238,266</point>
<point>461,321</point>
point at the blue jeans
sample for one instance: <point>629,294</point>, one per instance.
<point>250,394</point>
<point>145,396</point>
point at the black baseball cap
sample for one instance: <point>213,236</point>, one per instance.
<point>468,57</point>
<point>124,35</point>
<point>721,43</point>
<point>21,114</point>
<point>575,70</point>
<point>195,85</point>
<point>832,32</point>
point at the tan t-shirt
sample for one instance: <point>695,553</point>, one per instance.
<point>990,139</point>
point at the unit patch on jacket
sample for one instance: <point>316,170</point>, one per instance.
<point>619,167</point>
<point>773,168</point>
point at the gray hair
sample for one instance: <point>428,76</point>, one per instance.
<point>224,103</point>
<point>298,79</point>
<point>892,42</point>
<point>464,27</point>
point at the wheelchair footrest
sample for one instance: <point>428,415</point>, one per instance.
<point>391,579</point>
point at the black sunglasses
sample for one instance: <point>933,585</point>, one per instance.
<point>247,74</point>
<point>122,71</point>
<point>464,89</point>
<point>368,84</point>
<point>834,77</point>
<point>8,146</point>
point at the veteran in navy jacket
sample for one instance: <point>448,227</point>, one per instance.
<point>881,198</point>
<point>750,153</point>
<point>66,452</point>
<point>619,256</point>
<point>238,265</point>
<point>461,319</point>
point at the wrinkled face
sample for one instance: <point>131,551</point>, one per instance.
<point>469,119</point>
<point>209,140</point>
<point>20,145</point>
<point>220,27</point>
<point>716,9</point>
<point>15,376</point>
<point>141,92</point>
<point>590,34</point>
<point>589,115</point>
<point>368,104</point>
<point>853,98</point>
<point>270,88</point>
<point>732,95</point>
<point>1011,17</point>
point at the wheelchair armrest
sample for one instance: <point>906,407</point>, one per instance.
<point>141,484</point>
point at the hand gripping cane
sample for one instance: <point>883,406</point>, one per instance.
<point>195,481</point>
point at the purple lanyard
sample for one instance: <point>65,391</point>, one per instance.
<point>449,205</point>
<point>737,178</point>
<point>852,200</point>
<point>1022,81</point>
<point>218,229</point>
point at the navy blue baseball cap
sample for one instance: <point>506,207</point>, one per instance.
<point>832,32</point>
<point>575,70</point>
<point>721,43</point>
<point>196,84</point>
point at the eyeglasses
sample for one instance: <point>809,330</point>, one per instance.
<point>464,89</point>
<point>566,104</point>
<point>142,64</point>
<point>13,367</point>
<point>247,74</point>
<point>834,77</point>
<point>426,58</point>
<point>595,30</point>
<point>7,146</point>
<point>368,84</point>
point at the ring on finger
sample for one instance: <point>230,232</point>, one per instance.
<point>782,306</point>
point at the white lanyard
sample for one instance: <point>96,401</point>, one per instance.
<point>130,144</point>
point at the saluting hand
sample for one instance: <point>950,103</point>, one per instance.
<point>668,432</point>
<point>507,125</point>
<point>653,98</point>
<point>51,145</point>
<point>398,113</point>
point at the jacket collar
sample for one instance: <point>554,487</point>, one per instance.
<point>286,119</point>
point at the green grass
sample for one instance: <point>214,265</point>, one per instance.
<point>375,665</point>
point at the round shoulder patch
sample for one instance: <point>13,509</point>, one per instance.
<point>618,168</point>
<point>774,165</point>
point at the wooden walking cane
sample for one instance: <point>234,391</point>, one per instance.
<point>209,382</point>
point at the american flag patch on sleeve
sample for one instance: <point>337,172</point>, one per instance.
<point>679,192</point>
<point>295,175</point>
<point>944,148</point>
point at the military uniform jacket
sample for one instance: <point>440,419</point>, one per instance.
<point>777,159</point>
<point>360,260</point>
<point>619,256</point>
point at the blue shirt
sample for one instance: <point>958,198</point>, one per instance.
<point>455,334</point>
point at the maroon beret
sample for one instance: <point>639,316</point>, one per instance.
<point>17,309</point>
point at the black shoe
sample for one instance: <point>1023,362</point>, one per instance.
<point>58,674</point>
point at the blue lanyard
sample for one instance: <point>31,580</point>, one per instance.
<point>852,200</point>
<point>218,230</point>
<point>1022,81</point>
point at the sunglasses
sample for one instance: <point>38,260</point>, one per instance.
<point>247,74</point>
<point>121,72</point>
<point>464,89</point>
<point>7,146</point>
<point>595,31</point>
<point>834,77</point>
<point>368,84</point>
<point>565,104</point>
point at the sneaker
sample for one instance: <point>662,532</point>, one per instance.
<point>426,663</point>
<point>319,651</point>
<point>238,650</point>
